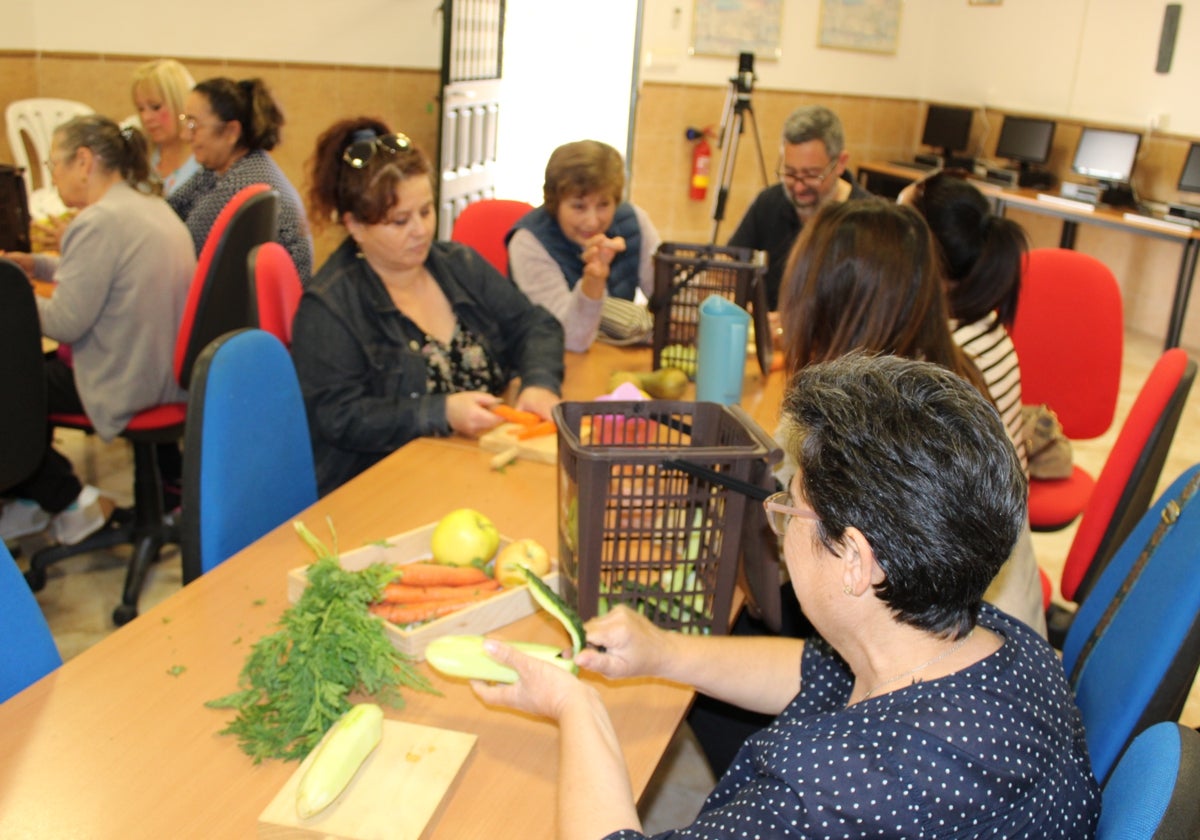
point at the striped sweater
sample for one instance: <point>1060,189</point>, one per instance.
<point>987,343</point>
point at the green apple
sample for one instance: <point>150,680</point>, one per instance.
<point>464,537</point>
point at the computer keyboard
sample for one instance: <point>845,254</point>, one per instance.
<point>1176,226</point>
<point>913,164</point>
<point>1068,203</point>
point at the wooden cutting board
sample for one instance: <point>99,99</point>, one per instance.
<point>504,437</point>
<point>393,796</point>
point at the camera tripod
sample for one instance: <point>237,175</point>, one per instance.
<point>733,122</point>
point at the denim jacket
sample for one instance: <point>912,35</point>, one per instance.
<point>364,381</point>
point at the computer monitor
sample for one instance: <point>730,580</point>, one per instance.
<point>947,129</point>
<point>1025,140</point>
<point>1108,157</point>
<point>1189,178</point>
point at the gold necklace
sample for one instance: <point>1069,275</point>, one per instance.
<point>922,666</point>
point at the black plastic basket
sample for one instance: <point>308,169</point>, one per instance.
<point>634,530</point>
<point>684,277</point>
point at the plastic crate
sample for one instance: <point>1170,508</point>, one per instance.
<point>632,530</point>
<point>684,276</point>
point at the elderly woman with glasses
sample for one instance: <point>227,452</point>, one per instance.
<point>917,710</point>
<point>584,245</point>
<point>232,126</point>
<point>399,336</point>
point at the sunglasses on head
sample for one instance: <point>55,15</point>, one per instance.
<point>359,153</point>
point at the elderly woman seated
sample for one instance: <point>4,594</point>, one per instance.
<point>917,710</point>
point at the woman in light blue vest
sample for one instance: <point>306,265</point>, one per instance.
<point>584,243</point>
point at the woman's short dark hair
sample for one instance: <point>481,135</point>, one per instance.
<point>863,275</point>
<point>249,104</point>
<point>580,168</point>
<point>918,461</point>
<point>123,150</point>
<point>981,252</point>
<point>368,193</point>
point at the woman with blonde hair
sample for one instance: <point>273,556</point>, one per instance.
<point>159,89</point>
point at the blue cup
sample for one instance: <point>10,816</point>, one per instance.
<point>721,355</point>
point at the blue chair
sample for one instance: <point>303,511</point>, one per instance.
<point>1133,650</point>
<point>248,463</point>
<point>1152,793</point>
<point>29,649</point>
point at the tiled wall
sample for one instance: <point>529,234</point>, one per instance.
<point>315,95</point>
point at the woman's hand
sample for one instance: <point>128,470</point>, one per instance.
<point>538,400</point>
<point>633,645</point>
<point>541,688</point>
<point>470,412</point>
<point>598,254</point>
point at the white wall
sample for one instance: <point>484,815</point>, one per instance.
<point>1089,59</point>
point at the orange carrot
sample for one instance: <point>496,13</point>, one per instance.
<point>513,415</point>
<point>411,613</point>
<point>546,427</point>
<point>399,593</point>
<point>436,574</point>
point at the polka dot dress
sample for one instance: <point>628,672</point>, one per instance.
<point>996,750</point>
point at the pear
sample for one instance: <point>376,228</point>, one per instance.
<point>666,383</point>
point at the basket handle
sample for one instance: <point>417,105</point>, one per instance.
<point>753,491</point>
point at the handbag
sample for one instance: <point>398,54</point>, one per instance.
<point>1047,448</point>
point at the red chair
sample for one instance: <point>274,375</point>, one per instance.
<point>1126,484</point>
<point>275,290</point>
<point>218,301</point>
<point>1069,337</point>
<point>484,226</point>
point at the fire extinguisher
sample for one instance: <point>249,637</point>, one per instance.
<point>701,164</point>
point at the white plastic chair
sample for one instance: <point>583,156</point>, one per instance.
<point>30,124</point>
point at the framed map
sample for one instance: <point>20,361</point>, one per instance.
<point>730,27</point>
<point>866,25</point>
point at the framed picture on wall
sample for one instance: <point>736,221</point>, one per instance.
<point>984,2</point>
<point>731,27</point>
<point>864,25</point>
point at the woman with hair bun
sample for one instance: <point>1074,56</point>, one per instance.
<point>119,290</point>
<point>231,126</point>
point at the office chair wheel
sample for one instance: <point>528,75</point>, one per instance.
<point>123,614</point>
<point>36,578</point>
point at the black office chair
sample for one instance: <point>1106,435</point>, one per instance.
<point>23,435</point>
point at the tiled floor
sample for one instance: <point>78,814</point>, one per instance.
<point>81,593</point>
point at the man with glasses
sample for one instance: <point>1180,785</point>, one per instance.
<point>812,158</point>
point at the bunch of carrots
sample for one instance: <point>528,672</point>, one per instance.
<point>531,425</point>
<point>425,591</point>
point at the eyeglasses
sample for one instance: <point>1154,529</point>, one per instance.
<point>809,179</point>
<point>359,153</point>
<point>780,510</point>
<point>189,124</point>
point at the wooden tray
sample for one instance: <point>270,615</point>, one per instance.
<point>504,437</point>
<point>395,793</point>
<point>502,608</point>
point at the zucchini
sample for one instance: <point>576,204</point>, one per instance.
<point>464,656</point>
<point>548,600</point>
<point>346,746</point>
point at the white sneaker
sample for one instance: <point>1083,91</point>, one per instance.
<point>82,518</point>
<point>22,517</point>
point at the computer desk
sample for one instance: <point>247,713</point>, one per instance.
<point>887,178</point>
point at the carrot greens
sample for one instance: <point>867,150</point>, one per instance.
<point>296,681</point>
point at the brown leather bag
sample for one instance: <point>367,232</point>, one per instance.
<point>1048,449</point>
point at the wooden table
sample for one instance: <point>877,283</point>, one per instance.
<point>888,178</point>
<point>115,744</point>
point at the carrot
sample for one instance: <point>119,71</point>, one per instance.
<point>513,415</point>
<point>412,613</point>
<point>546,427</point>
<point>399,593</point>
<point>436,574</point>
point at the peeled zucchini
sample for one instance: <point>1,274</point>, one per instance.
<point>345,747</point>
<point>463,656</point>
<point>548,600</point>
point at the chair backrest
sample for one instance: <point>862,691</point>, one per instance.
<point>275,290</point>
<point>1133,648</point>
<point>32,122</point>
<point>22,379</point>
<point>1069,337</point>
<point>248,463</point>
<point>1152,793</point>
<point>484,224</point>
<point>1125,487</point>
<point>219,297</point>
<point>29,649</point>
